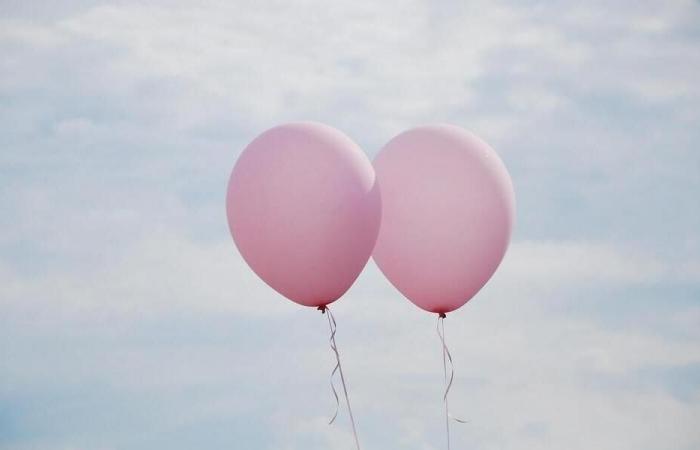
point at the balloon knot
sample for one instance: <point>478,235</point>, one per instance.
<point>322,308</point>
<point>443,315</point>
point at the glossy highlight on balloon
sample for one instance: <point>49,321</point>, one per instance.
<point>448,211</point>
<point>303,208</point>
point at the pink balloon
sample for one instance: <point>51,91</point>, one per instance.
<point>447,214</point>
<point>303,209</point>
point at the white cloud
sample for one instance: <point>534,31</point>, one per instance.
<point>571,263</point>
<point>120,287</point>
<point>527,375</point>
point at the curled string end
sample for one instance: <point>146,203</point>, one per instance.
<point>447,360</point>
<point>338,369</point>
<point>331,324</point>
<point>457,419</point>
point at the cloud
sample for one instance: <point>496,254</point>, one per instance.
<point>130,321</point>
<point>525,370</point>
<point>571,263</point>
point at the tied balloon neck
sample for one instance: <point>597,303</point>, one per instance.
<point>322,308</point>
<point>442,315</point>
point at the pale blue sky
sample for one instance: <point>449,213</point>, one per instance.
<point>129,321</point>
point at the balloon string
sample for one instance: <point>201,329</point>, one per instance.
<point>338,368</point>
<point>446,357</point>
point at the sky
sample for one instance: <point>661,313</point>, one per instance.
<point>128,320</point>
